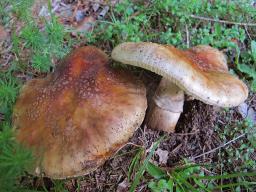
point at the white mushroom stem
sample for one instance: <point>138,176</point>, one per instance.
<point>166,107</point>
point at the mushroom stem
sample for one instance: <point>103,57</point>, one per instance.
<point>166,107</point>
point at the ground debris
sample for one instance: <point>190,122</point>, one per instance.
<point>3,33</point>
<point>77,16</point>
<point>243,109</point>
<point>85,25</point>
<point>163,156</point>
<point>123,186</point>
<point>247,111</point>
<point>252,115</point>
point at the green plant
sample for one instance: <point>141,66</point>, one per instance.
<point>237,168</point>
<point>238,156</point>
<point>134,165</point>
<point>249,69</point>
<point>37,47</point>
<point>59,186</point>
<point>21,8</point>
<point>143,166</point>
<point>43,45</point>
<point>9,87</point>
<point>14,159</point>
<point>31,36</point>
<point>187,177</point>
<point>191,177</point>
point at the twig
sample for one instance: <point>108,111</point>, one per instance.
<point>123,154</point>
<point>247,32</point>
<point>108,22</point>
<point>208,170</point>
<point>222,21</point>
<point>219,147</point>
<point>130,143</point>
<point>6,50</point>
<point>185,134</point>
<point>176,148</point>
<point>187,35</point>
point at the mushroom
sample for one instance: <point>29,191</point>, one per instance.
<point>80,115</point>
<point>200,71</point>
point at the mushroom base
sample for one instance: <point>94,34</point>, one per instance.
<point>162,119</point>
<point>166,107</point>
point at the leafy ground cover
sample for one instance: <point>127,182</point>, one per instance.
<point>213,149</point>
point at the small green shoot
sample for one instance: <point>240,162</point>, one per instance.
<point>142,169</point>
<point>192,178</point>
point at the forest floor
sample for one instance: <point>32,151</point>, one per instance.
<point>213,140</point>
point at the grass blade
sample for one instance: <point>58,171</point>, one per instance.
<point>228,176</point>
<point>144,165</point>
<point>155,171</point>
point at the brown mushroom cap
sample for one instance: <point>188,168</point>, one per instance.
<point>197,71</point>
<point>80,115</point>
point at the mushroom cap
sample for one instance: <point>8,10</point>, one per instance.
<point>79,115</point>
<point>201,71</point>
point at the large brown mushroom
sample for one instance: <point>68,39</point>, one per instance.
<point>201,72</point>
<point>79,115</point>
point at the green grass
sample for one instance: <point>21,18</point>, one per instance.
<point>9,87</point>
<point>34,49</point>
<point>14,158</point>
<point>163,21</point>
<point>187,177</point>
<point>237,156</point>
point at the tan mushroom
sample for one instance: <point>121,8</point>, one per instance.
<point>201,72</point>
<point>79,115</point>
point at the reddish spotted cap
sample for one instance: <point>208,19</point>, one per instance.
<point>78,116</point>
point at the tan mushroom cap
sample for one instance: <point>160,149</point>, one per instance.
<point>80,115</point>
<point>197,71</point>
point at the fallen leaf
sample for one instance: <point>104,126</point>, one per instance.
<point>40,9</point>
<point>79,15</point>
<point>95,7</point>
<point>103,12</point>
<point>247,112</point>
<point>243,109</point>
<point>3,33</point>
<point>163,156</point>
<point>85,25</point>
<point>252,115</point>
<point>44,12</point>
<point>123,186</point>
